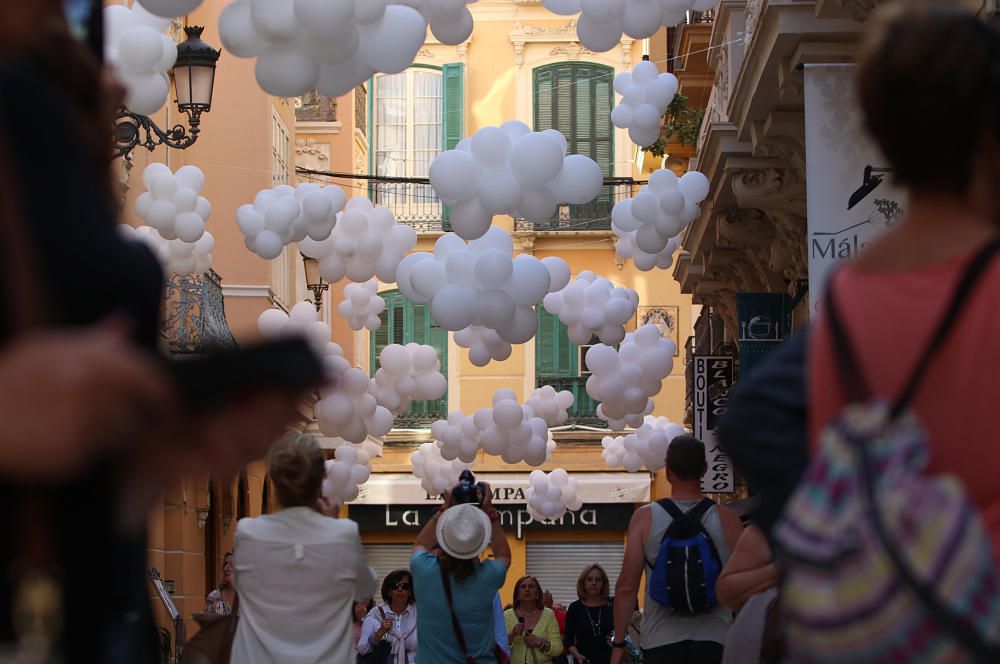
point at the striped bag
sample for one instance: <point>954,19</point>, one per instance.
<point>884,563</point>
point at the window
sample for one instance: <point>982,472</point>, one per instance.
<point>576,98</point>
<point>404,322</point>
<point>559,363</point>
<point>282,274</point>
<point>416,115</point>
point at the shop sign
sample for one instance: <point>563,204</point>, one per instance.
<point>379,518</point>
<point>849,198</point>
<point>713,377</point>
<point>765,321</point>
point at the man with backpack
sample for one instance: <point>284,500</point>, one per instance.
<point>681,543</point>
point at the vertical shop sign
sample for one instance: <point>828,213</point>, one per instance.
<point>713,376</point>
<point>848,193</point>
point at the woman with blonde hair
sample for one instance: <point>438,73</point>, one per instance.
<point>532,630</point>
<point>589,620</point>
<point>298,571</point>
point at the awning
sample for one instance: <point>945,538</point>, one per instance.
<point>404,489</point>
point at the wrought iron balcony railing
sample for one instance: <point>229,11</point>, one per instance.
<point>584,408</point>
<point>422,414</point>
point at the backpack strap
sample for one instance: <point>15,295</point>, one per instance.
<point>671,508</point>
<point>852,378</point>
<point>455,625</point>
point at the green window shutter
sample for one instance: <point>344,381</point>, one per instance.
<point>453,115</point>
<point>391,332</point>
<point>555,354</point>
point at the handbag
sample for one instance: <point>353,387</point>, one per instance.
<point>380,653</point>
<point>498,652</point>
<point>213,644</point>
<point>884,563</point>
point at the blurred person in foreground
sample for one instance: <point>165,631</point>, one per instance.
<point>445,563</point>
<point>394,621</point>
<point>532,628</point>
<point>692,634</point>
<point>298,571</point>
<point>93,426</point>
<point>220,601</point>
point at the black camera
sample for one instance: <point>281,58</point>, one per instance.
<point>468,490</point>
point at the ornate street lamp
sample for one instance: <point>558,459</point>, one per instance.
<point>194,79</point>
<point>314,281</point>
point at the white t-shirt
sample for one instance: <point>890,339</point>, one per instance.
<point>297,573</point>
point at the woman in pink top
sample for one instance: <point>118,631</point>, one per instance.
<point>930,90</point>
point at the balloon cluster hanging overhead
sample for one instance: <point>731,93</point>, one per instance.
<point>282,215</point>
<point>406,374</point>
<point>646,94</point>
<point>176,215</point>
<point>550,495</point>
<point>509,430</point>
<point>646,447</point>
<point>362,305</point>
<point>436,474</point>
<point>349,468</point>
<point>592,305</point>
<point>602,22</point>
<point>335,45</point>
<point>303,321</point>
<point>624,381</point>
<point>649,224</point>
<point>511,170</point>
<point>366,242</point>
<point>481,284</point>
<point>171,8</point>
<point>141,55</point>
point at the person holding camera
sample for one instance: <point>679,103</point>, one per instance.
<point>456,589</point>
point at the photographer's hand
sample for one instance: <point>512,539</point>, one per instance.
<point>448,500</point>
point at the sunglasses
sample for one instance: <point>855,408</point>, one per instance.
<point>401,586</point>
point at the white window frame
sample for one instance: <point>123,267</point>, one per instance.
<point>282,275</point>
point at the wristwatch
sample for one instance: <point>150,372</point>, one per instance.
<point>617,644</point>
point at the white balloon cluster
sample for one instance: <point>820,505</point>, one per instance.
<point>349,468</point>
<point>408,373</point>
<point>284,214</point>
<point>511,170</point>
<point>171,203</point>
<point>602,23</point>
<point>484,344</point>
<point>648,225</point>
<point>366,242</point>
<point>552,494</point>
<point>436,473</point>
<point>592,305</point>
<point>644,447</point>
<point>625,380</point>
<point>508,430</point>
<point>176,256</point>
<point>362,306</point>
<point>551,406</point>
<point>134,44</point>
<point>334,45</point>
<point>480,284</point>
<point>646,94</point>
<point>301,321</point>
<point>171,8</point>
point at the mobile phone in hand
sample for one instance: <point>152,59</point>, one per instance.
<point>213,380</point>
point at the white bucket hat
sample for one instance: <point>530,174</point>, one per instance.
<point>463,531</point>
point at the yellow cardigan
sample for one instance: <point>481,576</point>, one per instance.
<point>547,628</point>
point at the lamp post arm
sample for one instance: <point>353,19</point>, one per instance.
<point>132,130</point>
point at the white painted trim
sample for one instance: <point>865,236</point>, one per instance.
<point>315,127</point>
<point>247,290</point>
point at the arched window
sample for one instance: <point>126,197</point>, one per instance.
<point>404,322</point>
<point>576,99</point>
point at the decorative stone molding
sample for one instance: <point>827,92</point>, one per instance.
<point>425,53</point>
<point>572,51</point>
<point>754,11</point>
<point>310,154</point>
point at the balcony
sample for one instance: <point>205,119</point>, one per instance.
<point>584,408</point>
<point>593,216</point>
<point>422,414</point>
<point>414,203</point>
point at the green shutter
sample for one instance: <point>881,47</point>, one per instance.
<point>576,99</point>
<point>555,354</point>
<point>453,116</point>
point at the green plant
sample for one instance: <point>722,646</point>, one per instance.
<point>681,124</point>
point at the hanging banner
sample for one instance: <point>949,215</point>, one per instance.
<point>765,321</point>
<point>849,196</point>
<point>713,376</point>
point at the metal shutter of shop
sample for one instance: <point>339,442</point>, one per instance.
<point>557,565</point>
<point>385,558</point>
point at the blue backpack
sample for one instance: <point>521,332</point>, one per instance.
<point>683,576</point>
